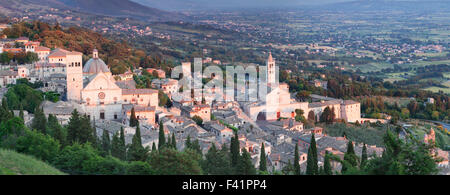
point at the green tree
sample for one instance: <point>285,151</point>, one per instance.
<point>115,146</point>
<point>39,121</point>
<point>363,155</point>
<point>39,145</point>
<point>106,143</point>
<point>327,165</point>
<point>245,165</point>
<point>137,152</point>
<point>262,159</point>
<point>234,149</point>
<point>217,162</point>
<point>133,120</point>
<point>162,137</point>
<point>139,168</point>
<point>197,120</point>
<point>349,157</point>
<point>169,161</point>
<point>55,129</point>
<point>174,142</point>
<point>296,161</point>
<point>312,167</point>
<point>21,114</point>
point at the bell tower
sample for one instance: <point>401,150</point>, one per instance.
<point>74,72</point>
<point>270,69</point>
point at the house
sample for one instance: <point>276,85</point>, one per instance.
<point>8,77</point>
<point>168,86</point>
<point>203,111</point>
<point>161,73</point>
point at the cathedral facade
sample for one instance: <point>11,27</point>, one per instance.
<point>94,88</point>
<point>279,104</point>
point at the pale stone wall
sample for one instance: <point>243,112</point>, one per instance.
<point>42,55</point>
<point>110,111</point>
<point>101,90</point>
<point>23,72</point>
<point>144,116</point>
<point>352,112</point>
<point>141,99</point>
<point>74,76</point>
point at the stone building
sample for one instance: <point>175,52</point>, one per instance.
<point>95,88</point>
<point>279,104</point>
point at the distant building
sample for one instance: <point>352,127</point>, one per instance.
<point>203,111</point>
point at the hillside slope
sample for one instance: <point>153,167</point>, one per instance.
<point>116,8</point>
<point>13,163</point>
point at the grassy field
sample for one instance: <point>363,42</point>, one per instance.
<point>364,133</point>
<point>420,128</point>
<point>13,163</point>
<point>437,89</point>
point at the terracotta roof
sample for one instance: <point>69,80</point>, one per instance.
<point>8,73</point>
<point>41,48</point>
<point>138,91</point>
<point>137,108</point>
<point>22,39</point>
<point>62,53</point>
<point>348,102</point>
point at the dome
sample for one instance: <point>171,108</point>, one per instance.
<point>94,66</point>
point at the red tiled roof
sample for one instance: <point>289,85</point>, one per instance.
<point>41,48</point>
<point>138,91</point>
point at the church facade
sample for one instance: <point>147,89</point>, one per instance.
<point>94,88</point>
<point>279,104</point>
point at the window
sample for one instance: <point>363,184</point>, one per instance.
<point>102,115</point>
<point>115,116</point>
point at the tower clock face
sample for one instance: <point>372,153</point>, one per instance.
<point>101,95</point>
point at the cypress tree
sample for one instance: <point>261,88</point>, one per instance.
<point>137,152</point>
<point>162,137</point>
<point>262,159</point>
<point>349,157</point>
<point>188,143</point>
<point>234,149</point>
<point>154,147</point>
<point>115,146</point>
<point>106,143</point>
<point>310,163</point>
<point>363,156</point>
<point>196,147</point>
<point>73,127</point>
<point>138,134</point>
<point>327,164</point>
<point>39,121</point>
<point>133,119</point>
<point>296,161</point>
<point>314,166</point>
<point>21,114</point>
<point>56,129</point>
<point>174,141</point>
<point>245,165</point>
<point>123,147</point>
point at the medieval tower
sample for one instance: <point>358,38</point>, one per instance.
<point>75,76</point>
<point>270,70</point>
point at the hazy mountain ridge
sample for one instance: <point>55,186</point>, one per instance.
<point>117,8</point>
<point>390,5</point>
<point>305,4</point>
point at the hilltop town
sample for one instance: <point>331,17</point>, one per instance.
<point>281,121</point>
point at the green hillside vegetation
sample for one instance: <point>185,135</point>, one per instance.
<point>13,163</point>
<point>118,55</point>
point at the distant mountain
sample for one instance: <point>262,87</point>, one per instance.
<point>117,8</point>
<point>363,5</point>
<point>390,5</point>
<point>229,4</point>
